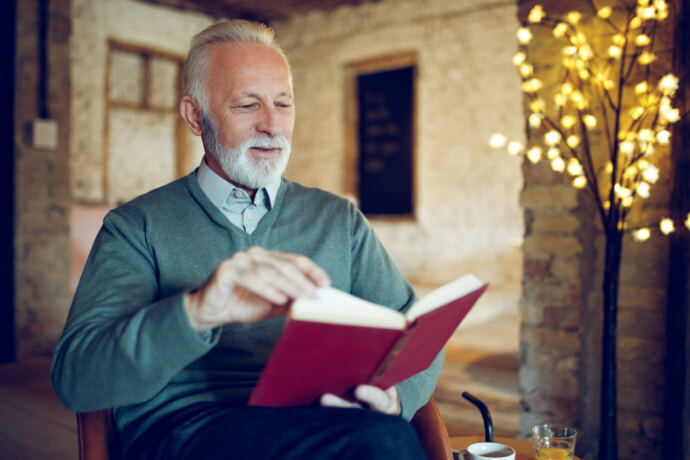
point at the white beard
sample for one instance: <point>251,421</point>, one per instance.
<point>236,162</point>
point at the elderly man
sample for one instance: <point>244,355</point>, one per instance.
<point>186,287</point>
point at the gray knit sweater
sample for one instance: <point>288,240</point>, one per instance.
<point>127,343</point>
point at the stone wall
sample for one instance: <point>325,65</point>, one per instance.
<point>467,216</point>
<point>42,194</point>
<point>562,302</point>
<point>95,23</point>
<point>51,184</point>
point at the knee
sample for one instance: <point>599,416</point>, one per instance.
<point>380,436</point>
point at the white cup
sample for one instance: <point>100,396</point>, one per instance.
<point>488,451</point>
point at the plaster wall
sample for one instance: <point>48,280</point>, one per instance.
<point>467,216</point>
<point>94,23</point>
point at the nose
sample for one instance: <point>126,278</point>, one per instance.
<point>269,121</point>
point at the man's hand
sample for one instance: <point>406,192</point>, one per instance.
<point>386,401</point>
<point>252,286</point>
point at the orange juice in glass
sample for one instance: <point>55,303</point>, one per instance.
<point>554,442</point>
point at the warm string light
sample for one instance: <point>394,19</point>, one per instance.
<point>590,74</point>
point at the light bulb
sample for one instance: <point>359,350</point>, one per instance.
<point>524,35</point>
<point>558,165</point>
<point>553,137</point>
<point>514,148</point>
<point>534,154</point>
<point>642,234</point>
<point>590,121</point>
<point>560,29</point>
<point>604,12</point>
<point>666,226</point>
<point>580,182</point>
<point>663,137</point>
<point>497,141</point>
<point>536,14</point>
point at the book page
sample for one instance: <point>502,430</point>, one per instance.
<point>338,307</point>
<point>443,295</point>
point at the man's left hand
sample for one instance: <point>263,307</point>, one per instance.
<point>386,401</point>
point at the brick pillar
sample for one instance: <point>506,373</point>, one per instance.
<point>42,195</point>
<point>562,302</point>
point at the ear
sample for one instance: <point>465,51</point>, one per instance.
<point>191,115</point>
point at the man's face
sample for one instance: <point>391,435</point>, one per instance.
<point>251,112</point>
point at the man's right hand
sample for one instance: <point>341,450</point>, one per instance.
<point>252,286</point>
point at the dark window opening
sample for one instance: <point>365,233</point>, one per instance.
<point>385,101</point>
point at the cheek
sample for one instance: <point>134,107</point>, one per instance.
<point>288,126</point>
<point>235,132</point>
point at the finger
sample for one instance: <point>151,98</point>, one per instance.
<point>286,272</point>
<point>331,400</point>
<point>258,285</point>
<point>378,399</point>
<point>294,275</point>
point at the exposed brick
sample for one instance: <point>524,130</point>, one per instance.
<point>641,324</point>
<point>548,383</point>
<point>635,349</point>
<point>649,298</point>
<point>537,267</point>
<point>553,359</point>
<point>558,223</point>
<point>551,338</point>
<point>563,196</point>
<point>552,409</point>
<point>642,397</point>
<point>555,293</point>
<point>565,267</point>
<point>562,317</point>
<point>531,312</point>
<point>551,244</point>
<point>542,174</point>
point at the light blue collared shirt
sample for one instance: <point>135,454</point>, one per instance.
<point>235,203</point>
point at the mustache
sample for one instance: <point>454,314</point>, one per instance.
<point>268,142</point>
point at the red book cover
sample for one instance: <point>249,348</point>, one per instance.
<point>333,344</point>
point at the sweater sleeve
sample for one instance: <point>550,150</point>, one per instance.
<point>375,278</point>
<point>121,343</point>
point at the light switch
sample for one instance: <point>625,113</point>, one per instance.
<point>44,134</point>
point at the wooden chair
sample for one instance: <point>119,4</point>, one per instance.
<point>99,438</point>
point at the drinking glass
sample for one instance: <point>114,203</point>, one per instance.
<point>554,442</point>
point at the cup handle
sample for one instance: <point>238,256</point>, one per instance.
<point>461,455</point>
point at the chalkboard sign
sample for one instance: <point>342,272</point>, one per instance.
<point>385,141</point>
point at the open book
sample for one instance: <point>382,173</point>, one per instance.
<point>337,341</point>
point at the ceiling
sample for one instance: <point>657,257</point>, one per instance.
<point>259,10</point>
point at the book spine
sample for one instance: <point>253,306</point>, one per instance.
<point>392,354</point>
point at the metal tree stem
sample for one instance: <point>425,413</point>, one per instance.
<point>608,439</point>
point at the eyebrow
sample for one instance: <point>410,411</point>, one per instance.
<point>258,96</point>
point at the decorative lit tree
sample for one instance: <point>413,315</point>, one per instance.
<point>606,125</point>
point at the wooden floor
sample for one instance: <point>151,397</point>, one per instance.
<point>482,360</point>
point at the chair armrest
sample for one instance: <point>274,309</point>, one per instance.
<point>432,432</point>
<point>98,436</point>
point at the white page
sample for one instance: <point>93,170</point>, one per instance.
<point>338,307</point>
<point>443,295</point>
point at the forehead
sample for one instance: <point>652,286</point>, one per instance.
<point>237,67</point>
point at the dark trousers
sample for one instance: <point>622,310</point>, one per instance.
<point>210,431</point>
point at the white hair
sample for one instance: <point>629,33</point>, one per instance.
<point>233,31</point>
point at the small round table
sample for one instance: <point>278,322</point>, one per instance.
<point>523,448</point>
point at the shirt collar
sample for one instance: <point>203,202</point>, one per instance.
<point>217,189</point>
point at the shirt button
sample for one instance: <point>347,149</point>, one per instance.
<point>237,194</point>
<point>250,216</point>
